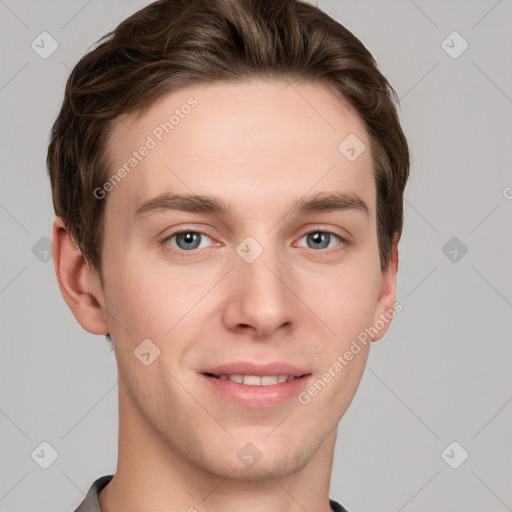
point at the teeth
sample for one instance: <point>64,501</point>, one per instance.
<point>255,380</point>
<point>252,380</point>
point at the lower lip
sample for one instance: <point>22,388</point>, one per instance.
<point>258,396</point>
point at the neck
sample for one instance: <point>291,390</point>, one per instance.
<point>154,474</point>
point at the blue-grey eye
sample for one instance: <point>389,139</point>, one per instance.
<point>187,240</point>
<point>320,239</point>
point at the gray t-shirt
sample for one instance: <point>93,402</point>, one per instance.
<point>91,503</point>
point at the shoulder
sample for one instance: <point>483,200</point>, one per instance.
<point>336,507</point>
<point>91,502</point>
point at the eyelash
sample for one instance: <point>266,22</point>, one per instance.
<point>175,250</point>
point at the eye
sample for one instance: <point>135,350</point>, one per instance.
<point>186,240</point>
<point>320,239</point>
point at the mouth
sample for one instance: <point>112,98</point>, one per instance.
<point>256,380</point>
<point>266,389</point>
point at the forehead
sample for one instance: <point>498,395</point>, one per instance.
<point>251,141</point>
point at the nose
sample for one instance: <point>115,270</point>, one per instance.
<point>260,300</point>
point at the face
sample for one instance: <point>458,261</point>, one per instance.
<point>286,273</point>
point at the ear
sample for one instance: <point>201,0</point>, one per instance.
<point>385,309</point>
<point>80,286</point>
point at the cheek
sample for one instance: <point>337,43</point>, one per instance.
<point>148,301</point>
<point>348,310</point>
<point>347,300</point>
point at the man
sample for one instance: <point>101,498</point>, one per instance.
<point>228,181</point>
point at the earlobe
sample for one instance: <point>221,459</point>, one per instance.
<point>74,276</point>
<point>385,309</point>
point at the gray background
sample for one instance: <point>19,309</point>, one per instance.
<point>441,374</point>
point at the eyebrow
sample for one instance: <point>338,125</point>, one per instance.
<point>209,204</point>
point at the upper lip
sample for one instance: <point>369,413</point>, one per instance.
<point>248,368</point>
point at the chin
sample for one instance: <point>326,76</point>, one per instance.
<point>276,465</point>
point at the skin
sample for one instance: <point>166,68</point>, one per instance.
<point>259,145</point>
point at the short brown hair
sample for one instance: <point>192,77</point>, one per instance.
<point>171,44</point>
